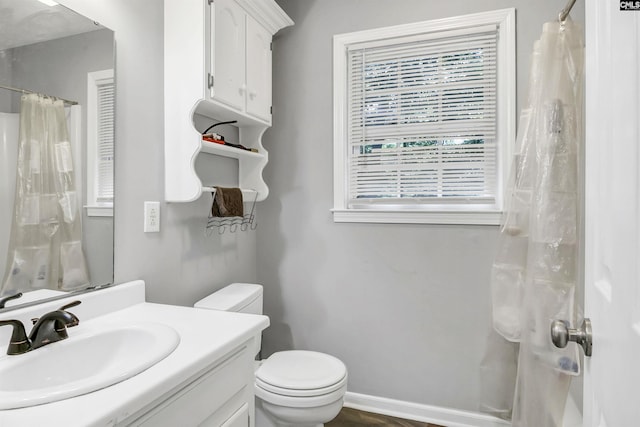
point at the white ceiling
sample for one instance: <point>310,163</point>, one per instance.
<point>24,22</point>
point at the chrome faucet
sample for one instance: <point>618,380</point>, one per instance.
<point>49,328</point>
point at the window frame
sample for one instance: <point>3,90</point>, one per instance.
<point>93,206</point>
<point>453,213</point>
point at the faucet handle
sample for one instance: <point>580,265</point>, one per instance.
<point>73,321</point>
<point>19,342</point>
<point>6,299</point>
<point>71,304</point>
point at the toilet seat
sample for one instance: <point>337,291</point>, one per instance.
<point>301,373</point>
<point>301,378</point>
<point>300,393</point>
<point>300,402</point>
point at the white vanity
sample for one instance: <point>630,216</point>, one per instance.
<point>206,380</point>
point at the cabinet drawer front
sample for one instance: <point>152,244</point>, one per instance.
<point>200,400</point>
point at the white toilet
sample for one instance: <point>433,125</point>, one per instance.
<point>292,388</point>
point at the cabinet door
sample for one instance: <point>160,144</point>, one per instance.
<point>228,57</point>
<point>258,70</point>
<point>211,400</point>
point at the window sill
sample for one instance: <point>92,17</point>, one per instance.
<point>99,210</point>
<point>417,217</point>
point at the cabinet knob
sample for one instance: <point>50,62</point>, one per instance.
<point>252,95</point>
<point>242,89</point>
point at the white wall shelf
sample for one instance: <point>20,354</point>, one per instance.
<point>222,112</point>
<point>247,195</point>
<point>189,48</point>
<point>227,151</point>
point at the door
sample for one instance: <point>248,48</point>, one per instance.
<point>258,70</point>
<point>612,218</point>
<point>227,58</point>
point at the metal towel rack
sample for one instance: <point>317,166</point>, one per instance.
<point>233,223</point>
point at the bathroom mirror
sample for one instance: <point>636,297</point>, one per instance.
<point>57,53</point>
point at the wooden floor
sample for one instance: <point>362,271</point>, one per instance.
<point>353,418</point>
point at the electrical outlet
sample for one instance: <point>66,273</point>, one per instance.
<point>151,217</point>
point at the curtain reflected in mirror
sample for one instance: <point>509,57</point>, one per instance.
<point>56,151</point>
<point>45,243</point>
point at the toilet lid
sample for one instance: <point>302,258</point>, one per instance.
<point>301,370</point>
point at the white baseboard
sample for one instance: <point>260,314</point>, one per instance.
<point>425,413</point>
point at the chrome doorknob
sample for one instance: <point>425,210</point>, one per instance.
<point>561,335</point>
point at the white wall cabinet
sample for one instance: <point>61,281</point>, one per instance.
<point>258,70</point>
<point>217,64</point>
<point>227,72</point>
<point>240,60</point>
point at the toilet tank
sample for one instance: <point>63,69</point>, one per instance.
<point>237,297</point>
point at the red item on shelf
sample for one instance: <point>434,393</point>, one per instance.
<point>217,141</point>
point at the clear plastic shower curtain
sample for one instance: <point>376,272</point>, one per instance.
<point>45,247</point>
<point>535,272</point>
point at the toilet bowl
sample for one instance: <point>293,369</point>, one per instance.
<point>292,388</point>
<point>301,388</point>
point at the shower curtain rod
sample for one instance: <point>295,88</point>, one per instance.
<point>562,16</point>
<point>66,101</point>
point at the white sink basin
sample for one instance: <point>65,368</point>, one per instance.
<point>84,362</point>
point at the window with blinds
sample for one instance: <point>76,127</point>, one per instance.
<point>105,98</point>
<point>420,126</point>
<point>100,149</point>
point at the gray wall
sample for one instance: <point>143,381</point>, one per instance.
<point>59,68</point>
<point>180,264</point>
<point>406,307</point>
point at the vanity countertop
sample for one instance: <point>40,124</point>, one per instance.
<point>205,336</point>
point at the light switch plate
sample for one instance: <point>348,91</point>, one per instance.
<point>151,217</point>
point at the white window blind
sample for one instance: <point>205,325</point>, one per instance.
<point>105,129</point>
<point>421,119</point>
<point>100,142</point>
